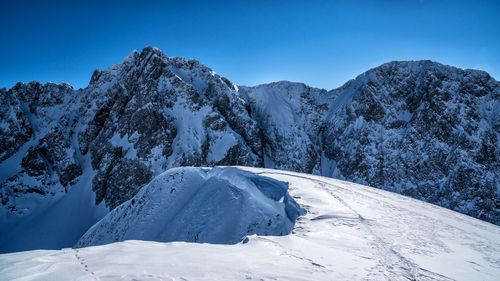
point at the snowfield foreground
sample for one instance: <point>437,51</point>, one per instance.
<point>349,232</point>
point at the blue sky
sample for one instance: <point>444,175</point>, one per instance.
<point>320,43</point>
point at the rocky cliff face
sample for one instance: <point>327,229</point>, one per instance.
<point>422,129</point>
<point>134,121</point>
<point>152,113</point>
<point>419,128</point>
<point>36,144</point>
<point>290,116</point>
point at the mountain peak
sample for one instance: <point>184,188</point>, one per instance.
<point>416,67</point>
<point>151,50</point>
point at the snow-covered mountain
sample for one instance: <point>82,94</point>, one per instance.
<point>419,128</point>
<point>290,116</point>
<point>349,232</point>
<point>134,121</point>
<point>422,129</point>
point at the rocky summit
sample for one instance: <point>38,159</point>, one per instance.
<point>418,128</point>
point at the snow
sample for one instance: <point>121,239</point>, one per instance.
<point>11,166</point>
<point>286,112</point>
<point>187,74</point>
<point>55,222</point>
<point>220,147</point>
<point>282,103</point>
<point>350,232</point>
<point>190,130</point>
<point>221,205</point>
<point>123,142</point>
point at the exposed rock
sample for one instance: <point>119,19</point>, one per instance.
<point>419,128</point>
<point>422,129</point>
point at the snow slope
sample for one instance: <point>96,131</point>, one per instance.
<point>57,222</point>
<point>350,232</point>
<point>219,205</point>
<point>290,116</point>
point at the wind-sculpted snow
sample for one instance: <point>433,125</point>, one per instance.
<point>349,232</point>
<point>221,205</point>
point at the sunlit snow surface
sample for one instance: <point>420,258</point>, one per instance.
<point>350,232</point>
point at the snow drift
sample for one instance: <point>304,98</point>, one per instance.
<point>220,205</point>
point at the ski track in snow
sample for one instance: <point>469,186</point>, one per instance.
<point>350,232</point>
<point>384,248</point>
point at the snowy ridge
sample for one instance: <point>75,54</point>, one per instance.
<point>349,232</point>
<point>221,205</point>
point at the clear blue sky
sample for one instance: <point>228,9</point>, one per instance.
<point>320,43</point>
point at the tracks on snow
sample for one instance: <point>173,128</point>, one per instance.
<point>392,260</point>
<point>83,263</point>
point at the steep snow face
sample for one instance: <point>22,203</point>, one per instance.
<point>221,205</point>
<point>350,232</point>
<point>290,115</point>
<point>54,221</point>
<point>38,157</point>
<point>47,199</point>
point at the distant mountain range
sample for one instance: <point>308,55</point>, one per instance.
<point>418,128</point>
